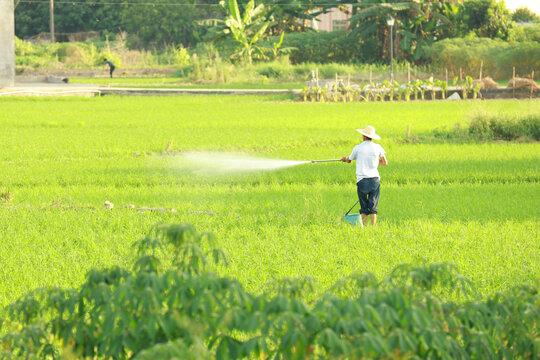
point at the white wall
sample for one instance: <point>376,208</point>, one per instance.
<point>7,43</point>
<point>324,22</point>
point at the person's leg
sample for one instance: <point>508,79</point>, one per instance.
<point>364,219</point>
<point>363,199</point>
<point>373,199</point>
<point>112,69</point>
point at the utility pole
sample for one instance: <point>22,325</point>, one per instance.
<point>51,13</point>
<point>7,43</point>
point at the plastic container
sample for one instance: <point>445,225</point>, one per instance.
<point>353,219</point>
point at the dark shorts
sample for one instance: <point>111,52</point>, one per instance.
<point>368,194</point>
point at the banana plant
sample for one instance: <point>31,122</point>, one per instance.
<point>467,86</point>
<point>320,93</point>
<point>408,89</point>
<point>349,93</point>
<point>430,84</point>
<point>417,23</point>
<point>335,93</point>
<point>246,29</point>
<point>443,85</point>
<point>476,91</point>
<point>277,50</point>
<point>324,93</point>
<point>390,89</point>
<point>356,94</point>
<point>398,89</point>
<point>416,88</point>
<point>421,88</point>
<point>306,92</point>
<point>368,93</point>
<point>381,91</point>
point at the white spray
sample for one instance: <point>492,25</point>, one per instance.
<point>209,162</point>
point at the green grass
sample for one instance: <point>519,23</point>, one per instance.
<point>475,205</point>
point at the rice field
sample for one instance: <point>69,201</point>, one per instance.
<point>472,204</point>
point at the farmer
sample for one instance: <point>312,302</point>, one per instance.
<point>110,64</point>
<point>368,156</point>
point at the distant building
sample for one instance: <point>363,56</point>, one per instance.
<point>333,20</point>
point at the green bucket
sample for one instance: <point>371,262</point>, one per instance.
<point>353,219</point>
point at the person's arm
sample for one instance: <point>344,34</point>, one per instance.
<point>351,157</point>
<point>383,161</point>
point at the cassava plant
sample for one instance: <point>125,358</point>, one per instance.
<point>169,305</point>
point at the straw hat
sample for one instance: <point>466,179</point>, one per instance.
<point>369,132</point>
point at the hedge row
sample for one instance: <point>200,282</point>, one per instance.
<point>497,57</point>
<point>324,47</point>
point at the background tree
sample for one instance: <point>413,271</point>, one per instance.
<point>524,14</point>
<point>417,24</point>
<point>162,23</point>
<point>295,16</point>
<point>485,18</point>
<point>156,24</point>
<point>85,15</point>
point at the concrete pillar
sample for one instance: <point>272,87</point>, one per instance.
<point>7,43</point>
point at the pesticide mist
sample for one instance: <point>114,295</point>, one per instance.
<point>219,163</point>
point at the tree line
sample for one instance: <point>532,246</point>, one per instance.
<point>235,24</point>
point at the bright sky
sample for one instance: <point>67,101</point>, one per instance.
<point>533,5</point>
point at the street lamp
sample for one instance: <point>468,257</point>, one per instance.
<point>390,22</point>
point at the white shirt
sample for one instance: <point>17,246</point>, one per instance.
<point>367,156</point>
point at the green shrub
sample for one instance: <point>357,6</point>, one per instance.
<point>169,305</point>
<point>23,48</point>
<point>498,57</point>
<point>489,128</point>
<point>525,33</point>
<point>505,128</point>
<point>327,47</point>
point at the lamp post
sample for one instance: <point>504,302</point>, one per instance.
<point>390,23</point>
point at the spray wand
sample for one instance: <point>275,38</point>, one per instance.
<point>326,160</point>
